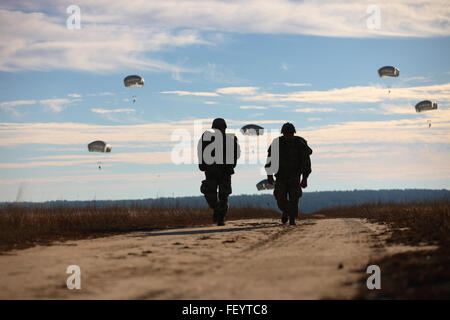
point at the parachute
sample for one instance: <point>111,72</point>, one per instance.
<point>134,81</point>
<point>388,71</point>
<point>264,185</point>
<point>252,130</point>
<point>99,146</point>
<point>426,105</point>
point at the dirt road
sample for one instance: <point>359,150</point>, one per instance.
<point>246,259</point>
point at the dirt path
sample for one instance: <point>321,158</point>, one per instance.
<point>246,259</point>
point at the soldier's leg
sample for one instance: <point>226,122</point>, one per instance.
<point>281,195</point>
<point>209,190</point>
<point>295,192</point>
<point>224,192</point>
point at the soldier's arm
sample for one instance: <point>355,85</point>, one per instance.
<point>306,170</point>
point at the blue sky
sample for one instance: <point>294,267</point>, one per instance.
<point>313,63</point>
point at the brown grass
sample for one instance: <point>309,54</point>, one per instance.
<point>22,227</point>
<point>409,275</point>
<point>414,223</point>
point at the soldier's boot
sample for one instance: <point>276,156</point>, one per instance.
<point>222,209</point>
<point>215,216</point>
<point>293,211</point>
<point>282,202</point>
<point>292,221</point>
<point>220,217</point>
<point>284,217</point>
<point>211,198</point>
<point>221,220</point>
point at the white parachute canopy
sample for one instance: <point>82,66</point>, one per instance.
<point>264,185</point>
<point>426,105</point>
<point>252,130</point>
<point>99,146</point>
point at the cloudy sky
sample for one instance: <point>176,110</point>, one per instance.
<point>313,63</point>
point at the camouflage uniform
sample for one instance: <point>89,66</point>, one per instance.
<point>294,161</point>
<point>217,184</point>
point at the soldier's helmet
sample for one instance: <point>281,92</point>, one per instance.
<point>219,123</point>
<point>288,128</point>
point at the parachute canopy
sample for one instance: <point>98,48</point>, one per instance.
<point>264,185</point>
<point>133,81</point>
<point>99,146</point>
<point>252,130</point>
<point>426,105</point>
<point>388,71</point>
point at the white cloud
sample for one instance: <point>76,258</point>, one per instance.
<point>389,108</point>
<point>210,102</point>
<point>279,106</point>
<point>101,94</point>
<point>238,90</point>
<point>74,95</point>
<point>57,105</point>
<point>190,93</point>
<point>225,91</point>
<point>284,66</point>
<point>79,133</point>
<point>67,134</point>
<point>415,79</point>
<point>253,107</point>
<point>116,36</point>
<point>416,18</point>
<point>358,94</point>
<point>105,111</point>
<point>393,131</point>
<point>11,104</point>
<point>310,110</point>
<point>41,41</point>
<point>119,178</point>
<point>106,93</point>
<point>290,84</point>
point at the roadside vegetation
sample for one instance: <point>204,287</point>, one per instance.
<point>22,227</point>
<point>423,274</point>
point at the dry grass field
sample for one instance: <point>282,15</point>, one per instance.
<point>413,274</point>
<point>423,274</point>
<point>22,227</point>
